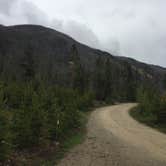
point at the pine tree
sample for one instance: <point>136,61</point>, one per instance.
<point>29,121</point>
<point>78,76</point>
<point>129,83</point>
<point>98,79</point>
<point>5,142</point>
<point>107,80</point>
<point>28,64</point>
<point>164,82</point>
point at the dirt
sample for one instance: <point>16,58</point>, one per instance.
<point>116,139</point>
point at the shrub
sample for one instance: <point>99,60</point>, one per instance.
<point>149,100</point>
<point>85,101</point>
<point>39,115</point>
<point>5,143</point>
<point>13,93</point>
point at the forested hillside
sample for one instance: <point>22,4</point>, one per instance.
<point>48,54</point>
<point>47,80</point>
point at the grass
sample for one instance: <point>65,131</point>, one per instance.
<point>150,120</point>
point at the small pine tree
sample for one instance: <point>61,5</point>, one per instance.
<point>5,143</point>
<point>29,123</point>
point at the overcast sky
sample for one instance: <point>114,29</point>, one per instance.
<point>133,28</point>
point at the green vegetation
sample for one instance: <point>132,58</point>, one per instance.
<point>5,145</point>
<point>151,109</point>
<point>37,112</point>
<point>32,117</point>
<point>148,120</point>
<point>112,83</point>
<point>53,154</point>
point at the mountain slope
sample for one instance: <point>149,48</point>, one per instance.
<point>51,51</point>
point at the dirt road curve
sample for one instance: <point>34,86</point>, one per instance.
<point>115,139</point>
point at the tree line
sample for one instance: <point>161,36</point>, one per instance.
<point>31,117</point>
<point>34,112</point>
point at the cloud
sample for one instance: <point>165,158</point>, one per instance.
<point>81,33</point>
<point>76,30</point>
<point>21,11</point>
<point>133,28</point>
<point>5,6</point>
<point>28,13</point>
<point>33,14</point>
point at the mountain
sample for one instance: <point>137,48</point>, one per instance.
<point>51,53</point>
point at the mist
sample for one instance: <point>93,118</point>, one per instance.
<point>132,28</point>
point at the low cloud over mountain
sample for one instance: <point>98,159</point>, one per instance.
<point>122,27</point>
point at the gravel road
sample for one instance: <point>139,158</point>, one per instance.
<point>115,139</point>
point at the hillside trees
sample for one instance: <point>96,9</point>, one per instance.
<point>149,100</point>
<point>3,53</point>
<point>28,64</point>
<point>5,142</point>
<point>98,79</point>
<point>29,121</point>
<point>108,82</point>
<point>107,86</point>
<point>79,79</point>
<point>161,114</point>
<point>130,83</point>
<point>112,83</point>
<point>5,145</point>
<point>164,82</point>
<point>32,117</point>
